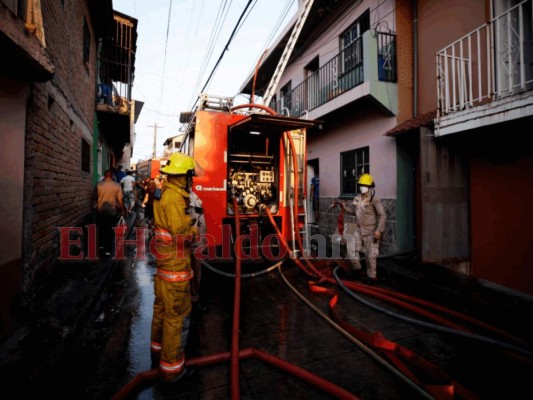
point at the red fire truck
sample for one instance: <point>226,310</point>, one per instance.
<point>245,152</point>
<point>149,168</point>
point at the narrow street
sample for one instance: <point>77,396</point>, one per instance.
<point>114,347</point>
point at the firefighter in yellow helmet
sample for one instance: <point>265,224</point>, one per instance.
<point>369,226</point>
<point>173,236</point>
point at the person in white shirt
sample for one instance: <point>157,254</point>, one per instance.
<point>128,184</point>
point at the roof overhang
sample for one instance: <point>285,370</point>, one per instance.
<point>426,119</point>
<point>24,57</point>
<point>138,108</point>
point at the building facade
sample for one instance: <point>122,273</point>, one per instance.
<point>343,71</point>
<point>51,134</point>
<point>465,162</point>
<point>451,83</point>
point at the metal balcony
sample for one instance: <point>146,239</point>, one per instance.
<point>492,65</point>
<point>371,57</point>
<point>116,67</point>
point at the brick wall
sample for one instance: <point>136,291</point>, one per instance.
<point>60,114</point>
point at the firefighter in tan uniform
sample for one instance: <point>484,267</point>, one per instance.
<point>174,234</point>
<point>369,226</point>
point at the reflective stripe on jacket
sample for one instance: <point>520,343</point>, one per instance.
<point>172,223</point>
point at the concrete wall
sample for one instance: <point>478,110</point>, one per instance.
<point>439,26</point>
<point>13,98</point>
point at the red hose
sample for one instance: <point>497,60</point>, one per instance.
<point>235,389</point>
<point>137,381</point>
<point>340,218</point>
<point>260,106</point>
<point>307,376</point>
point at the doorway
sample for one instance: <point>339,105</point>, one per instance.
<point>313,216</point>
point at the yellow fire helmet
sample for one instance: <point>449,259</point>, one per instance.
<point>179,164</point>
<point>366,180</point>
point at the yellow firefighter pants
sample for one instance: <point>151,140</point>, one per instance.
<point>170,323</point>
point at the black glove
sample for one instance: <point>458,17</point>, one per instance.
<point>198,210</point>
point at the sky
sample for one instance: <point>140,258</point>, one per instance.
<point>169,74</point>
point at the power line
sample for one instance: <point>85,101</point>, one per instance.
<point>217,27</point>
<point>227,46</point>
<point>165,56</point>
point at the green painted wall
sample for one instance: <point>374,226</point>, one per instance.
<point>406,159</point>
<point>96,135</point>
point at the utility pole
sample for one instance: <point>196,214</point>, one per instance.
<point>155,126</point>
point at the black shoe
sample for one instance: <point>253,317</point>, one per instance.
<point>372,281</point>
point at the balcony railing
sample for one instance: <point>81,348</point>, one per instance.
<point>491,62</point>
<point>116,65</point>
<point>340,74</point>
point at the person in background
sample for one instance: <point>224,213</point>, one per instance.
<point>148,200</point>
<point>119,174</point>
<point>175,233</point>
<point>108,198</point>
<point>197,214</point>
<point>128,186</point>
<point>369,227</point>
<point>315,195</point>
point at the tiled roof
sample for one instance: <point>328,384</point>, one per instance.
<point>413,123</point>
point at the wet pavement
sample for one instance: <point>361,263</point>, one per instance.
<point>112,345</point>
<point>274,320</point>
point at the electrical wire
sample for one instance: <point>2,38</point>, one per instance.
<point>191,33</point>
<point>165,56</point>
<point>280,20</point>
<point>215,34</point>
<point>226,47</point>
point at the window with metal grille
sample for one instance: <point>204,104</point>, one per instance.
<point>351,49</point>
<point>86,41</point>
<point>353,164</point>
<point>85,156</point>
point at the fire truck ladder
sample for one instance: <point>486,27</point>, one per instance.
<point>278,72</point>
<point>302,227</point>
<point>210,102</point>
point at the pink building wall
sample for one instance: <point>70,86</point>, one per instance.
<point>365,130</point>
<point>327,45</point>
